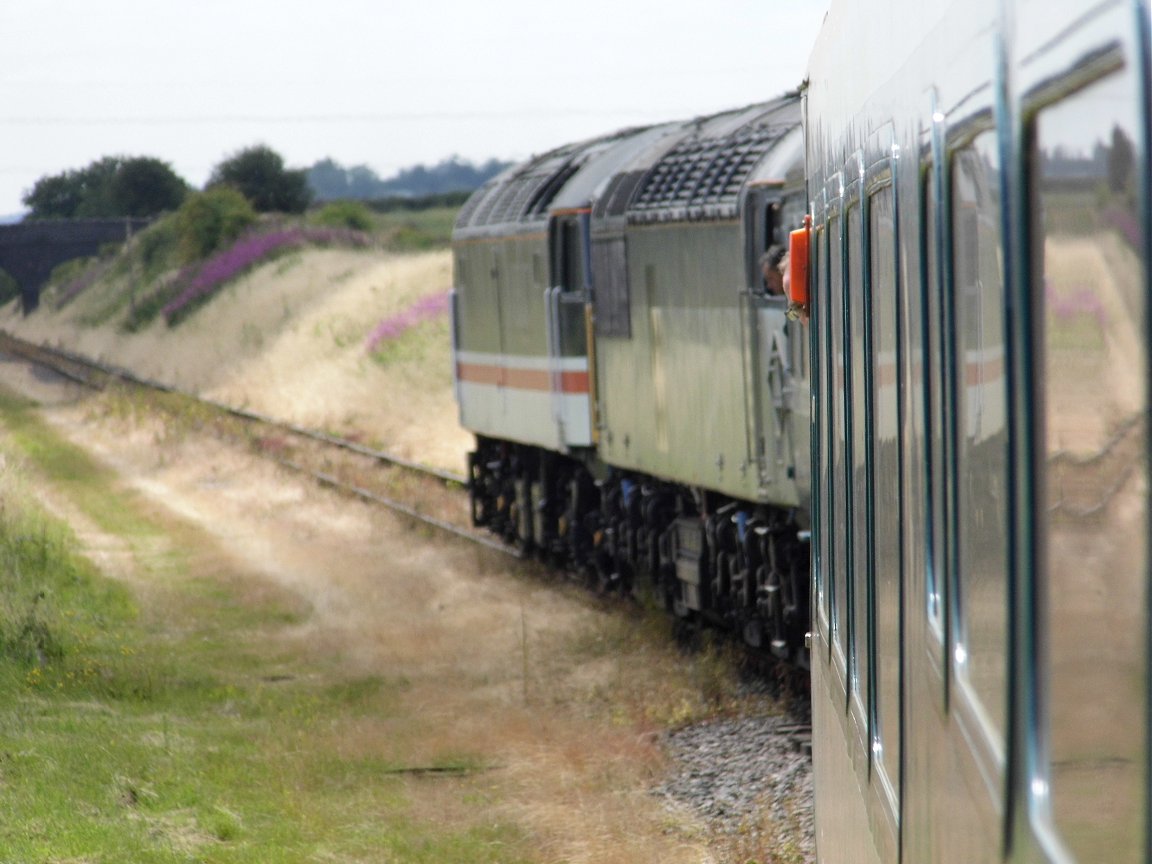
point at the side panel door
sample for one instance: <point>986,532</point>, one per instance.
<point>569,335</point>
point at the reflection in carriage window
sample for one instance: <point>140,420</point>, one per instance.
<point>886,470</point>
<point>926,394</point>
<point>838,426</point>
<point>860,494</point>
<point>979,418</point>
<point>1090,300</point>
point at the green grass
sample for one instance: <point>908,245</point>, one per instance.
<point>169,723</point>
<point>70,468</point>
<point>417,348</point>
<point>417,230</point>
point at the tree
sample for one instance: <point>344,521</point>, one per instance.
<point>146,187</point>
<point>210,220</point>
<point>330,180</point>
<point>109,188</point>
<point>259,174</point>
<point>1121,161</point>
<point>55,197</point>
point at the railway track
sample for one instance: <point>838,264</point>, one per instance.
<point>425,494</point>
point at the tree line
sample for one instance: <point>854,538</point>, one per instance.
<point>332,181</point>
<point>119,186</point>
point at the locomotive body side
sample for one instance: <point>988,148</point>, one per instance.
<point>699,386</point>
<point>978,186</point>
<point>623,274</point>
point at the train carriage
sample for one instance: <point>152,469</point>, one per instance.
<point>978,185</point>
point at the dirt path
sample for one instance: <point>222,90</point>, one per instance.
<point>534,680</point>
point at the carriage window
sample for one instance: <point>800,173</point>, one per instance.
<point>979,418</point>
<point>931,393</point>
<point>858,479</point>
<point>886,470</point>
<point>798,334</point>
<point>837,427</point>
<point>820,388</point>
<point>1092,303</point>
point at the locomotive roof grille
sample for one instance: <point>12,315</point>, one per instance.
<point>464,217</point>
<point>511,199</point>
<point>614,201</point>
<point>699,178</point>
<point>538,205</point>
<point>527,195</point>
<point>522,197</point>
<point>704,175</point>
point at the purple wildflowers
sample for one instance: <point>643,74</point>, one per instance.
<point>424,309</point>
<point>85,280</point>
<point>1074,302</point>
<point>201,280</point>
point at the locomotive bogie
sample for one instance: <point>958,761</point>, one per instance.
<point>708,559</point>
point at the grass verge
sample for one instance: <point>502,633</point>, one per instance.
<point>171,723</point>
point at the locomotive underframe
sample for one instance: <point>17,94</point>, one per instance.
<point>710,559</point>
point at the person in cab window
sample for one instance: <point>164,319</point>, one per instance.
<point>771,271</point>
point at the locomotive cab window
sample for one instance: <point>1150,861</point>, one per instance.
<point>568,254</point>
<point>763,234</point>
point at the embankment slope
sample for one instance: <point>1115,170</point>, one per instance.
<point>289,339</point>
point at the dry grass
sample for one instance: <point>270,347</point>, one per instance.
<point>288,340</point>
<point>554,699</point>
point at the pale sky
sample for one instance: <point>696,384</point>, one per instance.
<point>384,83</point>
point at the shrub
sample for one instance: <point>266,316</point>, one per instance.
<point>211,220</point>
<point>156,247</point>
<point>345,214</point>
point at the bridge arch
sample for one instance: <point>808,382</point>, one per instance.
<point>29,251</point>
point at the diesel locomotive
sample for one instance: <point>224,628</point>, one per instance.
<point>638,395</point>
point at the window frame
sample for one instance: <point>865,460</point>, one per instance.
<point>880,179</point>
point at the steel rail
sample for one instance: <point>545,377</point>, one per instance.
<point>54,358</point>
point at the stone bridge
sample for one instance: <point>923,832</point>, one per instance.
<point>30,250</point>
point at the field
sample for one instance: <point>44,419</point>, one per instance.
<point>205,659</point>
